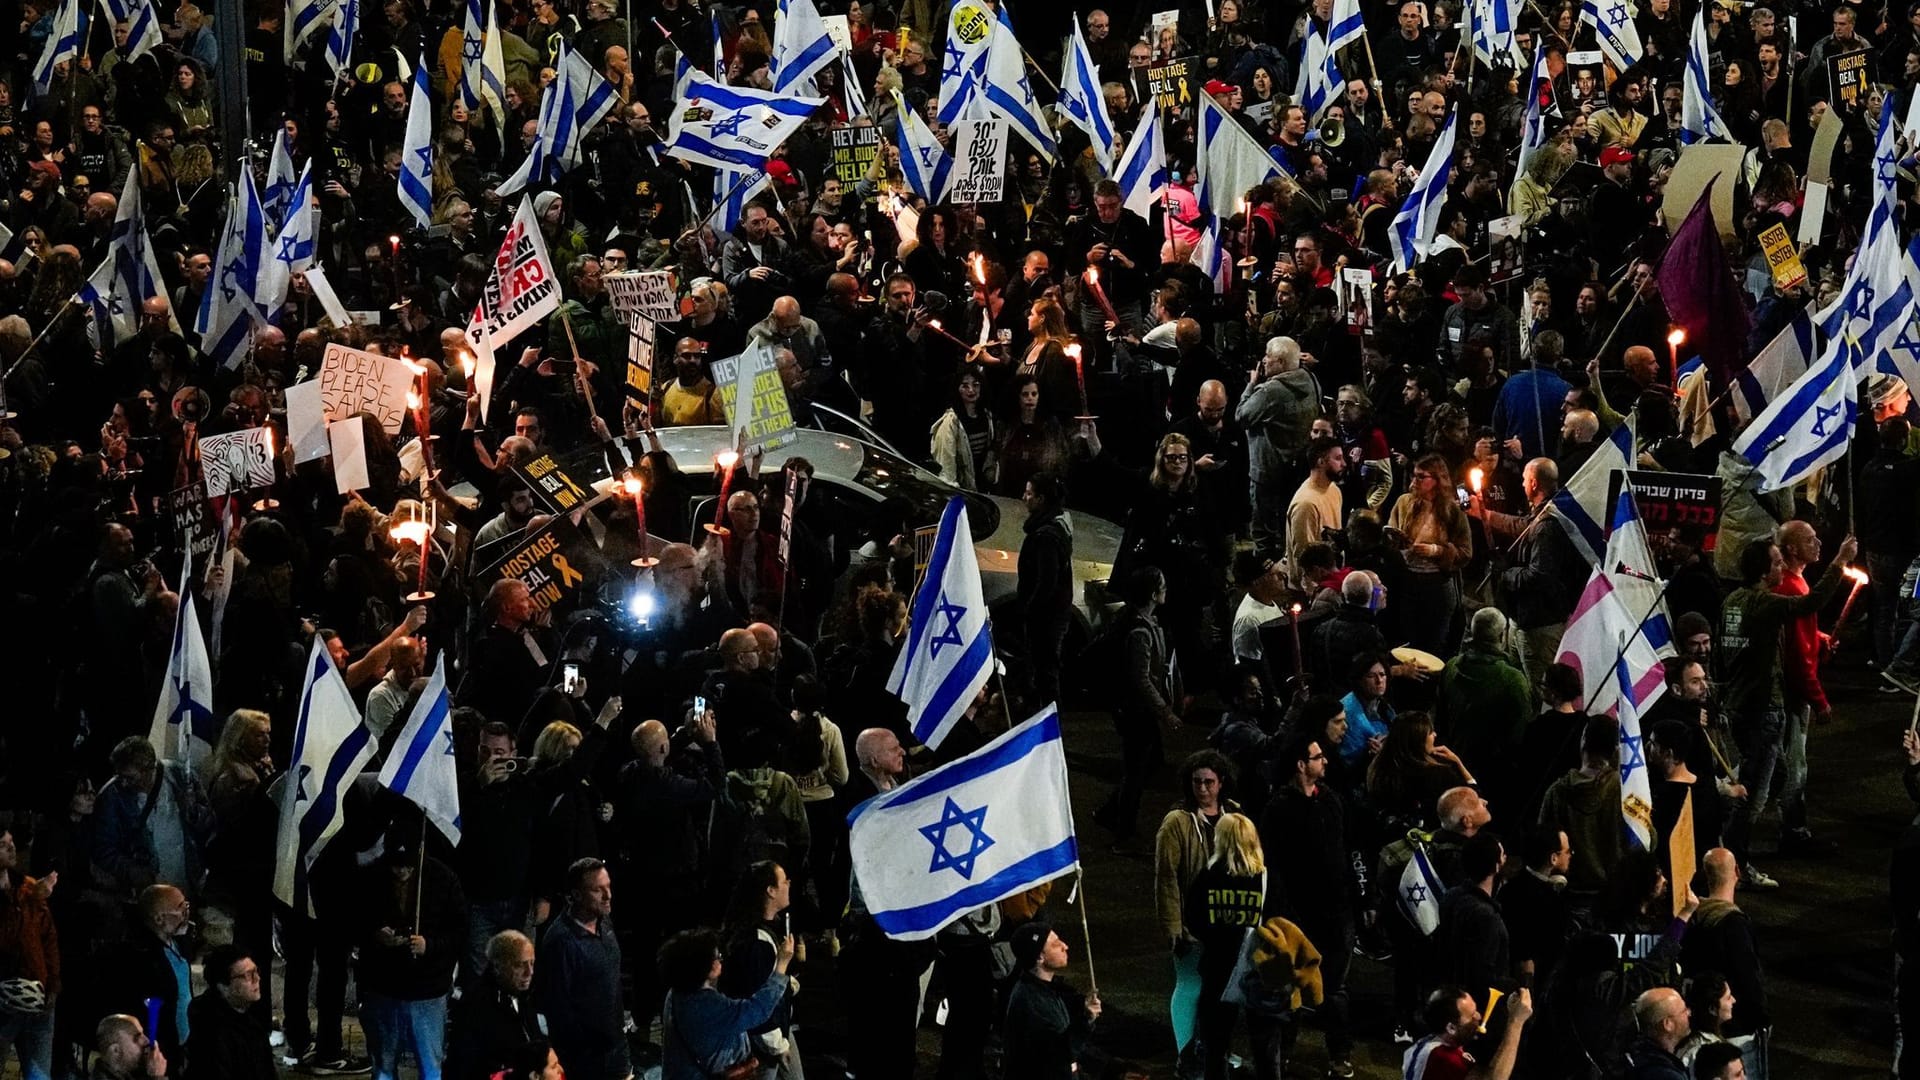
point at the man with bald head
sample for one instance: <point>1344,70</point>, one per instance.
<point>124,1052</point>
<point>1219,448</point>
<point>151,961</point>
<point>1802,649</point>
<point>388,698</point>
<point>785,325</point>
<point>883,765</point>
<point>1663,1021</point>
<point>1579,435</point>
<point>741,694</point>
<point>1720,938</point>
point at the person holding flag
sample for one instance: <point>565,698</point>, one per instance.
<point>949,649</point>
<point>183,724</point>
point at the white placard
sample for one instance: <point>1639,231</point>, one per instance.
<point>237,461</point>
<point>329,300</point>
<point>349,455</point>
<point>306,421</point>
<point>644,292</point>
<point>838,30</point>
<point>353,381</point>
<point>1813,213</point>
<point>979,161</point>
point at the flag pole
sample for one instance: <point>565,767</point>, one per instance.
<point>1086,931</point>
<point>728,197</point>
<point>420,866</point>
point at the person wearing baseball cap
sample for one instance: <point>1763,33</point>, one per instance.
<point>1047,1021</point>
<point>1615,205</point>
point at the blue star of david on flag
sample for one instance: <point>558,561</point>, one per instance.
<point>948,654</point>
<point>1822,414</point>
<point>949,634</point>
<point>1631,757</point>
<point>951,818</point>
<point>729,126</point>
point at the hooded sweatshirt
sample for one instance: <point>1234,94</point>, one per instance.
<point>1587,809</point>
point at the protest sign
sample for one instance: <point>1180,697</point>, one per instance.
<point>1164,34</point>
<point>193,520</point>
<point>306,421</point>
<point>644,292</point>
<point>1680,509</point>
<point>1681,856</point>
<point>352,381</point>
<point>1170,82</point>
<point>842,34</point>
<point>347,441</point>
<point>550,561</point>
<point>552,488</point>
<point>979,161</point>
<point>769,420</point>
<point>854,149</point>
<point>1847,78</point>
<point>237,461</point>
<point>640,338</point>
<point>522,290</point>
<point>1782,260</point>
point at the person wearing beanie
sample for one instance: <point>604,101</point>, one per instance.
<point>1047,1020</point>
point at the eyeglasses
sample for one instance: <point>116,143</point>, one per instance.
<point>1173,457</point>
<point>1316,757</point>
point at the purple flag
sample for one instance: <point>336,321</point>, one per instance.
<point>1701,292</point>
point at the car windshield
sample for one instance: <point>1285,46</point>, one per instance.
<point>926,499</point>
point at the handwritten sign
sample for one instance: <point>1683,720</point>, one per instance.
<point>237,461</point>
<point>193,520</point>
<point>551,485</point>
<point>854,149</point>
<point>979,160</point>
<point>1782,260</point>
<point>549,561</point>
<point>771,420</point>
<point>352,381</point>
<point>640,338</point>
<point>644,292</point>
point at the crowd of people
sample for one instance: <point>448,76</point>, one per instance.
<point>1341,488</point>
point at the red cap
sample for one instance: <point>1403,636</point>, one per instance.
<point>1216,87</point>
<point>1615,155</point>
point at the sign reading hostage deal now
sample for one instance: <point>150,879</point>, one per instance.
<point>549,561</point>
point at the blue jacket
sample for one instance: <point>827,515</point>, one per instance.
<point>1361,727</point>
<point>123,855</point>
<point>706,1031</point>
<point>1529,408</point>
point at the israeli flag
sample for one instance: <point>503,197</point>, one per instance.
<point>1081,100</point>
<point>735,195</point>
<point>1320,83</point>
<point>132,271</point>
<point>64,42</point>
<point>330,747</point>
<point>346,27</point>
<point>949,650</point>
<point>733,127</point>
<point>473,52</point>
<point>970,833</point>
<point>416,152</point>
<point>1636,787</point>
<point>1009,93</point>
<point>280,177</point>
<point>183,725</point>
<point>1345,24</point>
<point>1613,27</point>
<point>303,18</point>
<point>801,46</point>
<point>1622,600</point>
<point>1774,369</point>
<point>924,163</point>
<point>963,67</point>
<point>1533,124</point>
<point>96,295</point>
<point>1699,120</point>
<point>1582,500</point>
<point>1230,161</point>
<point>1420,892</point>
<point>1419,216</point>
<point>493,72</point>
<point>143,26</point>
<point>1493,22</point>
<point>228,308</point>
<point>850,89</point>
<point>293,246</point>
<point>1142,173</point>
<point>421,765</point>
<point>575,101</point>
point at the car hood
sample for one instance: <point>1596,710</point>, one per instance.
<point>1096,541</point>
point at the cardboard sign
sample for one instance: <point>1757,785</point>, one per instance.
<point>1171,84</point>
<point>549,561</point>
<point>644,292</point>
<point>193,520</point>
<point>1813,212</point>
<point>347,441</point>
<point>552,488</point>
<point>1698,166</point>
<point>306,421</point>
<point>640,338</point>
<point>1847,79</point>
<point>840,32</point>
<point>237,461</point>
<point>352,381</point>
<point>979,161</point>
<point>854,149</point>
<point>1682,859</point>
<point>1677,508</point>
<point>769,424</point>
<point>1782,260</point>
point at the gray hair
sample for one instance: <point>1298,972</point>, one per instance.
<point>1284,351</point>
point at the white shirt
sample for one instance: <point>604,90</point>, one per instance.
<point>1247,620</point>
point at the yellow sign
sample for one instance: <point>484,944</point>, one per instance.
<point>972,23</point>
<point>1782,259</point>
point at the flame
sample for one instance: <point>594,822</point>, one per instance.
<point>413,399</point>
<point>1858,575</point>
<point>395,241</point>
<point>467,366</point>
<point>269,440</point>
<point>414,531</point>
<point>1476,476</point>
<point>1295,609</point>
<point>935,323</point>
<point>1073,350</point>
<point>726,459</point>
<point>1677,336</point>
<point>979,268</point>
<point>417,369</point>
<point>1093,276</point>
<point>631,485</point>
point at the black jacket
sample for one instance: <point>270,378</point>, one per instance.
<point>392,970</point>
<point>226,1045</point>
<point>130,972</point>
<point>1310,872</point>
<point>1045,572</point>
<point>1720,938</point>
<point>663,813</point>
<point>1047,1027</point>
<point>487,1029</point>
<point>1471,942</point>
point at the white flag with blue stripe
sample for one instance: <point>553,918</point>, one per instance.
<point>924,163</point>
<point>128,276</point>
<point>421,764</point>
<point>293,246</point>
<point>1699,120</point>
<point>64,41</point>
<point>970,833</point>
<point>493,71</point>
<point>1230,162</point>
<point>1142,172</point>
<point>1636,784</point>
<point>1613,28</point>
<point>303,18</point>
<point>856,99</point>
<point>1345,24</point>
<point>1320,83</point>
<point>1493,31</point>
<point>1622,599</point>
<point>473,53</point>
<point>733,127</point>
<point>1009,92</point>
<point>143,26</point>
<point>1081,100</point>
<point>1414,225</point>
<point>1774,368</point>
<point>949,650</point>
<point>1420,892</point>
<point>330,747</point>
<point>281,174</point>
<point>801,46</point>
<point>96,295</point>
<point>963,66</point>
<point>736,189</point>
<point>228,308</point>
<point>1809,425</point>
<point>416,152</point>
<point>183,725</point>
<point>575,101</point>
<point>346,27</point>
<point>1582,501</point>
